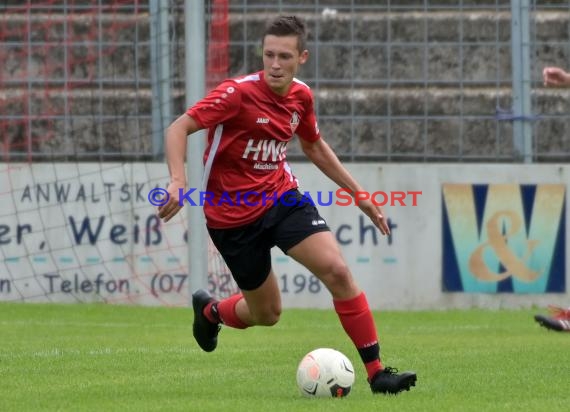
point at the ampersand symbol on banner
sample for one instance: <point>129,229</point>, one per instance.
<point>497,241</point>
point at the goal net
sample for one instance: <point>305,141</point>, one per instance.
<point>81,150</point>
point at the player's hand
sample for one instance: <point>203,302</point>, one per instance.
<point>376,215</point>
<point>555,77</point>
<point>168,210</point>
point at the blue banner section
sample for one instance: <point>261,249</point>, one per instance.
<point>504,238</point>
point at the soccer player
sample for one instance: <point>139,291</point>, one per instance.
<point>559,319</point>
<point>555,77</point>
<point>256,204</point>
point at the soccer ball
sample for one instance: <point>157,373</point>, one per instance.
<point>325,373</point>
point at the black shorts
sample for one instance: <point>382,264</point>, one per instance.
<point>246,249</point>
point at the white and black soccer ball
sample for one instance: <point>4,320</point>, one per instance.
<point>325,373</point>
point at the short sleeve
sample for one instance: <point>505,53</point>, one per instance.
<point>221,104</point>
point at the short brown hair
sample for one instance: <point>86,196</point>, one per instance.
<point>288,26</point>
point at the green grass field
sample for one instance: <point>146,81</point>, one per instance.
<point>121,358</point>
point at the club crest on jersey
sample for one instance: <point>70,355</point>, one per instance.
<point>294,122</point>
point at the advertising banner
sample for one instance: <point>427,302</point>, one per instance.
<point>504,238</point>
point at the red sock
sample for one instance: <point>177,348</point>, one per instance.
<point>210,311</point>
<point>227,312</point>
<point>356,319</point>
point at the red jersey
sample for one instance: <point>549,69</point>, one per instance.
<point>245,167</point>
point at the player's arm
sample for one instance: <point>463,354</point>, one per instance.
<point>555,76</point>
<point>321,154</point>
<point>175,146</point>
<point>219,105</point>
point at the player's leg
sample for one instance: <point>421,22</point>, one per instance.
<point>246,251</point>
<point>321,254</point>
<point>258,307</point>
<point>559,319</point>
<point>261,306</point>
<point>314,246</point>
<point>258,303</point>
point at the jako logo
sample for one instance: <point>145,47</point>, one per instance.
<point>263,150</point>
<point>504,238</point>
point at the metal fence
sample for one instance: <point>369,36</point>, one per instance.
<point>443,80</point>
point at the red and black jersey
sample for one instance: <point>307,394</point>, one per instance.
<point>245,165</point>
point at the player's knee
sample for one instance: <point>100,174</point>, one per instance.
<point>337,276</point>
<point>338,272</point>
<point>267,317</point>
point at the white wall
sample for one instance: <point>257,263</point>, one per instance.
<point>403,271</point>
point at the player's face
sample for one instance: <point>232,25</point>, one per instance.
<point>281,60</point>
